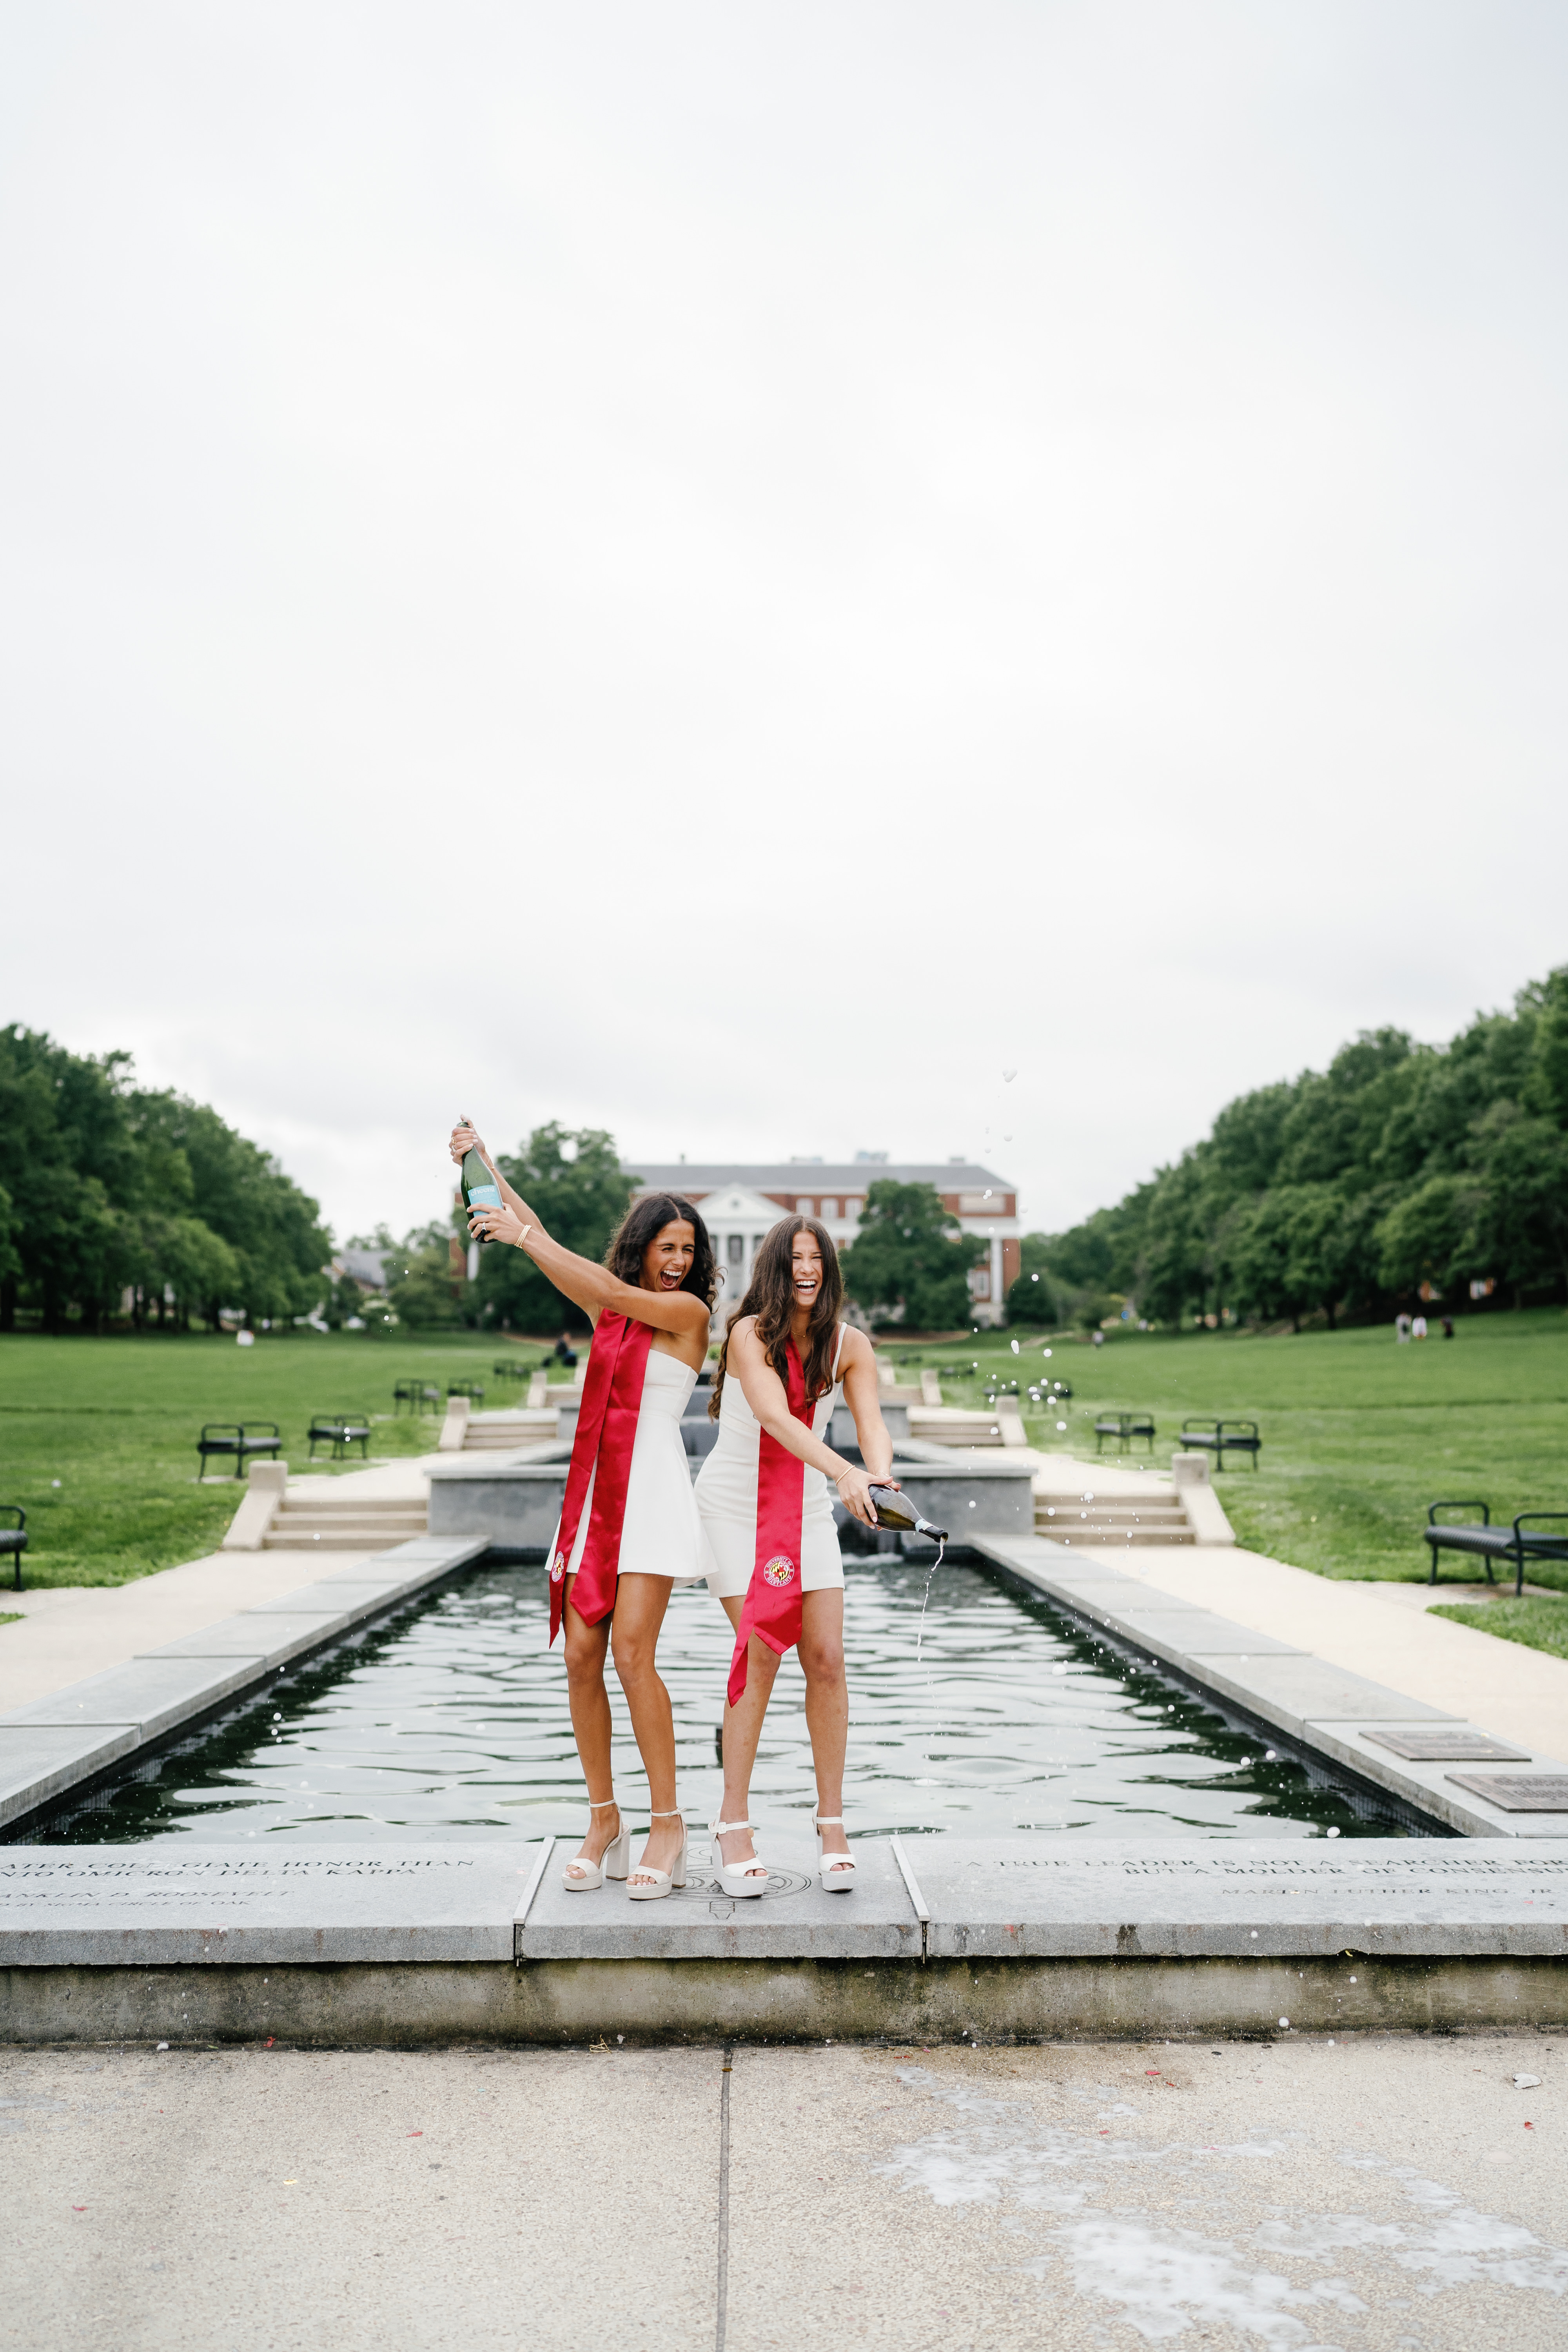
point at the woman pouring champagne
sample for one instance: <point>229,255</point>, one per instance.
<point>628,1529</point>
<point>769,1542</point>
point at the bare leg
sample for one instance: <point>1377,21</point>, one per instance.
<point>587,1647</point>
<point>742,1730</point>
<point>640,1605</point>
<point>827,1701</point>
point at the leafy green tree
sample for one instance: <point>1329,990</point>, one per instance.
<point>425,1288</point>
<point>1433,1234</point>
<point>1037,1297</point>
<point>911,1253</point>
<point>576,1183</point>
<point>111,1188</point>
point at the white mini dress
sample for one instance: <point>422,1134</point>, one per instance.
<point>661,1535</point>
<point>726,1494</point>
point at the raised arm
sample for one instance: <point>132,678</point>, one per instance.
<point>764,1393</point>
<point>593,1287</point>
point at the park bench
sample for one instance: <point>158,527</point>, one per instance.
<point>1487,1543</point>
<point>242,1439</point>
<point>14,1539</point>
<point>419,1396</point>
<point>340,1431</point>
<point>1220,1438</point>
<point>1124,1426</point>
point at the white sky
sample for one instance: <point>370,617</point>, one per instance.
<point>732,573</point>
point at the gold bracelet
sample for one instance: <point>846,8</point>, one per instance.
<point>522,1237</point>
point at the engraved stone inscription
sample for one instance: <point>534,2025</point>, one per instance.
<point>1517,1792</point>
<point>1448,1747</point>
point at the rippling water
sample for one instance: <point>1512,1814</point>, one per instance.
<point>451,1720</point>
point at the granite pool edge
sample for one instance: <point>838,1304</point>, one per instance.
<point>52,1746</point>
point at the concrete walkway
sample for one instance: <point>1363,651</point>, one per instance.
<point>70,1630</point>
<point>1304,2196</point>
<point>1373,1630</point>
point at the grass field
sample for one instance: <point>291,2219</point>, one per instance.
<point>1359,1435</point>
<point>1540,1624</point>
<point>98,1436</point>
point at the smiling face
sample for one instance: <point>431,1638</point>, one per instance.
<point>667,1261</point>
<point>806,1269</point>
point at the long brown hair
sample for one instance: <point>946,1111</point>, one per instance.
<point>642,1223</point>
<point>770,1300</point>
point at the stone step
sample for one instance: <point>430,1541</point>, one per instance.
<point>1116,1515</point>
<point>384,1525</point>
<point>1123,1537</point>
<point>322,1500</point>
<point>339,1537</point>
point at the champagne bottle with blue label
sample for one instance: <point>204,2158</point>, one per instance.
<point>481,1190</point>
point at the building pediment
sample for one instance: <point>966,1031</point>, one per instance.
<point>735,1208</point>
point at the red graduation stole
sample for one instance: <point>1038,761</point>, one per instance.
<point>602,1449</point>
<point>772,1607</point>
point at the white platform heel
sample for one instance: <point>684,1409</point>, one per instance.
<point>739,1878</point>
<point>663,1880</point>
<point>581,1875</point>
<point>837,1871</point>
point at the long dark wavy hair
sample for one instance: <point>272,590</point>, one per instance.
<point>647,1218</point>
<point>770,1298</point>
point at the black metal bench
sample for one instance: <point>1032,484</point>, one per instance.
<point>1220,1438</point>
<point>340,1431</point>
<point>512,1370</point>
<point>470,1388</point>
<point>14,1539</point>
<point>1487,1543</point>
<point>239,1439</point>
<point>1124,1426</point>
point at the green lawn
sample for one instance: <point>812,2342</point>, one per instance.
<point>98,1436</point>
<point>1359,1435</point>
<point>1540,1624</point>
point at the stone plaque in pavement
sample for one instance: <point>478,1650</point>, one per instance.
<point>1517,1792</point>
<point>793,1920</point>
<point>1440,1747</point>
<point>1172,1898</point>
<point>154,1905</point>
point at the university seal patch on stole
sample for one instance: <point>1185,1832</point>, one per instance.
<point>779,1568</point>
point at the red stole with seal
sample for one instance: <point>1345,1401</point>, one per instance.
<point>602,1450</point>
<point>772,1608</point>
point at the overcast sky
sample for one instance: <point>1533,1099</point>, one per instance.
<point>734,573</point>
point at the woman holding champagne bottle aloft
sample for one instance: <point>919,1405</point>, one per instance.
<point>769,1542</point>
<point>628,1529</point>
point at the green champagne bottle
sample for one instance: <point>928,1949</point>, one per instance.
<point>895,1509</point>
<point>479,1188</point>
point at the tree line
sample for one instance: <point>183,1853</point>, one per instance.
<point>1401,1173</point>
<point>106,1187</point>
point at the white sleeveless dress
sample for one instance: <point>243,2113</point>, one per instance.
<point>726,1495</point>
<point>661,1535</point>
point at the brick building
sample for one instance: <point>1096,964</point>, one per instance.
<point>739,1203</point>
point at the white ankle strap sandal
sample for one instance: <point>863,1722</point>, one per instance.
<point>581,1875</point>
<point>837,1871</point>
<point>648,1884</point>
<point>739,1878</point>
